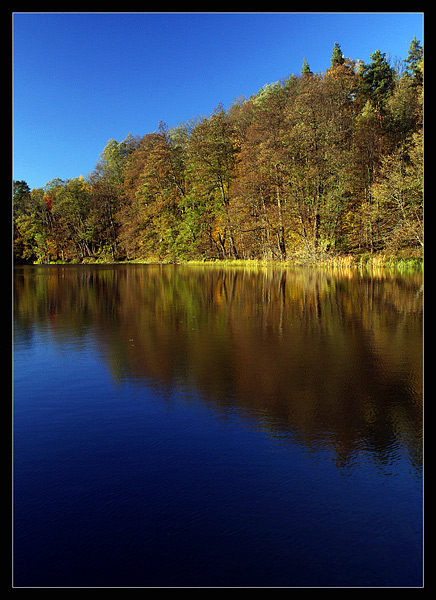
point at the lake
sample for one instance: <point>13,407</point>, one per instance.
<point>188,426</point>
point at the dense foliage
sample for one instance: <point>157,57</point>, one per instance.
<point>313,165</point>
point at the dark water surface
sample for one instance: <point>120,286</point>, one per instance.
<point>201,426</point>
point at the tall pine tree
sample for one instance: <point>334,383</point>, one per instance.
<point>378,81</point>
<point>337,56</point>
<point>414,60</point>
<point>305,69</point>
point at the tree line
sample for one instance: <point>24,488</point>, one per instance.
<point>316,164</point>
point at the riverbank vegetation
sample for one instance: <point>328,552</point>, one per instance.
<point>315,168</point>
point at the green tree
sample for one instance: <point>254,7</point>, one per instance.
<point>414,61</point>
<point>378,80</point>
<point>21,197</point>
<point>20,205</point>
<point>305,69</point>
<point>337,56</point>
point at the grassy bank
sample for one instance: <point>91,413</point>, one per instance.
<point>362,261</point>
<point>411,260</point>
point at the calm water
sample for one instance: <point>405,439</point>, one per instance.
<point>193,426</point>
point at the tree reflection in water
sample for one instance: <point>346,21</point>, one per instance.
<point>331,359</point>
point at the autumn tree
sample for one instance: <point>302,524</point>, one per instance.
<point>107,192</point>
<point>399,192</point>
<point>307,145</point>
<point>212,154</point>
<point>311,165</point>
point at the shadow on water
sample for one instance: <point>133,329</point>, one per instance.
<point>330,359</point>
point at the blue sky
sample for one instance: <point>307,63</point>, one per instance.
<point>80,79</point>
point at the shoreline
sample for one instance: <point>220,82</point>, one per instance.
<point>362,261</point>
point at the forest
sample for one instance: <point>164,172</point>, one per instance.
<point>312,166</point>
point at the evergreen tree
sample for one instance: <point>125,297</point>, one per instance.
<point>414,60</point>
<point>305,69</point>
<point>378,81</point>
<point>337,56</point>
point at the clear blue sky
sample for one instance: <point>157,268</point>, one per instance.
<point>80,79</point>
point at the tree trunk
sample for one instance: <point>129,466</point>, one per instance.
<point>281,234</point>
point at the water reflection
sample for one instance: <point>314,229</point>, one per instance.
<point>333,360</point>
